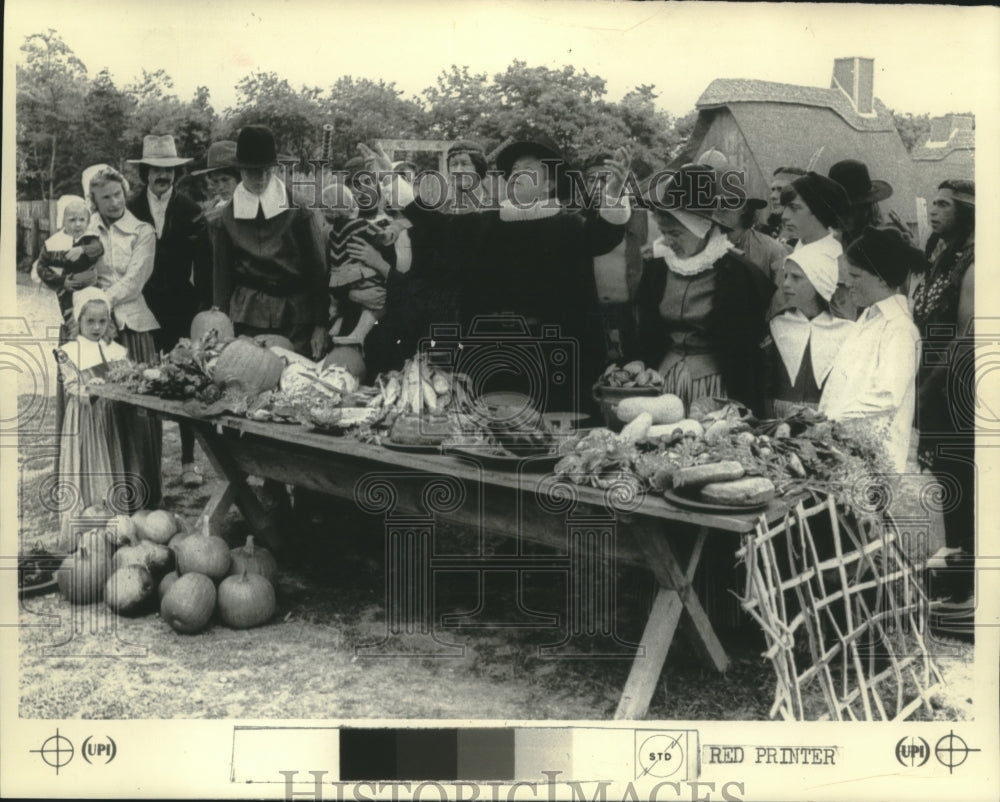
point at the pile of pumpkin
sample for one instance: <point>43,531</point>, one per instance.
<point>135,562</point>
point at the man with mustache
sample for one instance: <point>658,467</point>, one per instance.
<point>181,283</point>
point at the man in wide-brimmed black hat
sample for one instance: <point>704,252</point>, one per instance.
<point>270,273</point>
<point>182,252</point>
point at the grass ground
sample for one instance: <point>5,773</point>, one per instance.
<point>307,664</point>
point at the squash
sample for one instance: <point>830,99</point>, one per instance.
<point>204,554</point>
<point>128,589</point>
<point>254,559</point>
<point>154,557</point>
<point>158,527</point>
<point>685,427</point>
<point>214,318</point>
<point>248,367</point>
<point>246,600</point>
<point>638,429</point>
<point>717,432</point>
<point>348,358</point>
<point>165,583</point>
<point>189,603</point>
<point>274,341</point>
<point>667,408</point>
<point>82,575</point>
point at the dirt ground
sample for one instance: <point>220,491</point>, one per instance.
<point>311,662</point>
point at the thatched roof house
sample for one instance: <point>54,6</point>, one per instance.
<point>761,125</point>
<point>948,152</point>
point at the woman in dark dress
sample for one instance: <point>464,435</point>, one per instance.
<point>701,306</point>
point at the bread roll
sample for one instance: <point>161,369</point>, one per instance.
<point>698,475</point>
<point>740,492</point>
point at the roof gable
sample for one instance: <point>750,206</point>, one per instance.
<point>731,91</point>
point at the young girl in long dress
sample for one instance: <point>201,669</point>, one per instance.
<point>93,465</point>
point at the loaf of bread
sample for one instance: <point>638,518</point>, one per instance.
<point>739,493</point>
<point>698,475</point>
<point>414,430</point>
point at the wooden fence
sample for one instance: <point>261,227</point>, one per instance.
<point>35,221</point>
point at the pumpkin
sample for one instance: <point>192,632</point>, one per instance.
<point>248,367</point>
<point>176,540</point>
<point>165,583</point>
<point>349,358</point>
<point>158,527</point>
<point>96,515</point>
<point>246,600</point>
<point>121,531</point>
<point>274,341</point>
<point>214,318</point>
<point>204,554</point>
<point>128,589</point>
<point>254,559</point>
<point>154,557</point>
<point>188,604</point>
<point>82,575</point>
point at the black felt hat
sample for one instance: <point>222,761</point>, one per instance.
<point>536,144</point>
<point>255,147</point>
<point>853,176</point>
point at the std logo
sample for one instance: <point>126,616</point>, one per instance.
<point>912,752</point>
<point>96,751</point>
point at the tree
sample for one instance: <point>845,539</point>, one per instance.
<point>294,116</point>
<point>105,117</point>
<point>561,103</point>
<point>362,110</point>
<point>461,106</point>
<point>913,129</point>
<point>50,88</point>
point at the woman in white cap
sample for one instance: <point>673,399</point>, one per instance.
<point>804,336</point>
<point>122,272</point>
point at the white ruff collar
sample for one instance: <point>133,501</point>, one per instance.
<point>273,200</point>
<point>510,213</point>
<point>718,246</point>
<point>792,331</point>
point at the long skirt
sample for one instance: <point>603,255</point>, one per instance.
<point>141,435</point>
<point>86,472</point>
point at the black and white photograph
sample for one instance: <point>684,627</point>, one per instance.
<point>517,400</point>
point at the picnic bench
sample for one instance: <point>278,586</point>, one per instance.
<point>589,529</point>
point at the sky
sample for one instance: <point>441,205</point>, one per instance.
<point>926,57</point>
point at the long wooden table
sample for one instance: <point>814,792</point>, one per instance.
<point>589,530</point>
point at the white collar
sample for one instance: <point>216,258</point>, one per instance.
<point>792,331</point>
<point>893,306</point>
<point>717,247</point>
<point>128,223</point>
<point>829,245</point>
<point>60,241</point>
<point>273,200</point>
<point>538,210</point>
<point>89,353</point>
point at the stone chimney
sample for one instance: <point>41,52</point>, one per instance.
<point>945,127</point>
<point>855,77</point>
